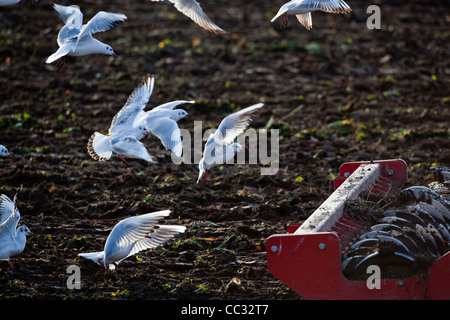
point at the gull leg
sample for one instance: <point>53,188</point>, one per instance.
<point>61,62</point>
<point>123,159</point>
<point>285,21</point>
<point>10,264</point>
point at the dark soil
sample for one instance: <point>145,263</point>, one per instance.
<point>337,93</point>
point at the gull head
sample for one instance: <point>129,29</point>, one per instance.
<point>180,114</point>
<point>202,171</point>
<point>109,51</point>
<point>144,130</point>
<point>24,231</point>
<point>4,152</point>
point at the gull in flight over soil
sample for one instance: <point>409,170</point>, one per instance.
<point>4,152</point>
<point>162,123</point>
<point>12,238</point>
<point>132,120</point>
<point>4,3</point>
<point>302,10</point>
<point>123,135</point>
<point>219,147</point>
<point>132,235</point>
<point>75,39</point>
<point>192,9</point>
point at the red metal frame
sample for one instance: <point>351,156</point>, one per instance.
<point>393,171</point>
<point>310,263</point>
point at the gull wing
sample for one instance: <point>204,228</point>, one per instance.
<point>139,233</point>
<point>234,124</point>
<point>70,15</point>
<point>6,208</point>
<point>9,215</point>
<point>61,52</point>
<point>73,22</point>
<point>101,22</point>
<point>284,8</point>
<point>171,105</point>
<point>136,103</point>
<point>130,147</point>
<point>192,9</point>
<point>94,256</point>
<point>330,6</point>
<point>168,132</point>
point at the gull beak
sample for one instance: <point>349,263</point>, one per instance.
<point>115,55</point>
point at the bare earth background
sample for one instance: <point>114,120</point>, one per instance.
<point>337,93</point>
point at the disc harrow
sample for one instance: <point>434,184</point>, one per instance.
<point>370,223</point>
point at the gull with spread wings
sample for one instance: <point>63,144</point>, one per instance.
<point>192,9</point>
<point>124,134</point>
<point>219,147</point>
<point>12,238</point>
<point>302,10</point>
<point>76,39</point>
<point>133,235</point>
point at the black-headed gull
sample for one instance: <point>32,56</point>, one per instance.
<point>302,10</point>
<point>12,238</point>
<point>4,3</point>
<point>162,123</point>
<point>192,9</point>
<point>124,135</point>
<point>75,39</point>
<point>4,152</point>
<point>132,235</point>
<point>219,147</point>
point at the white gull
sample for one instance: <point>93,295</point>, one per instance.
<point>302,10</point>
<point>192,9</point>
<point>12,238</point>
<point>75,39</point>
<point>124,135</point>
<point>219,147</point>
<point>133,235</point>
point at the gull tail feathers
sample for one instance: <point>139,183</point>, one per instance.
<point>305,20</point>
<point>99,147</point>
